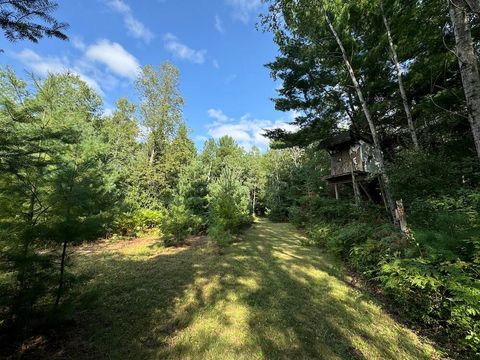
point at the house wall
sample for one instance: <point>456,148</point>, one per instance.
<point>358,157</point>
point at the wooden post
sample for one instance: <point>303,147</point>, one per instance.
<point>366,192</point>
<point>382,192</point>
<point>356,190</point>
<point>337,195</point>
<point>401,216</point>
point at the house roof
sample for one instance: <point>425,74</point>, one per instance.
<point>343,139</point>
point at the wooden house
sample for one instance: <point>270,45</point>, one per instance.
<point>353,162</point>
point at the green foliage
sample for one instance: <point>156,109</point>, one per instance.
<point>436,291</point>
<point>228,204</point>
<point>193,191</point>
<point>424,174</point>
<point>136,222</point>
<point>69,174</point>
<point>31,20</point>
<point>220,235</point>
<point>178,223</point>
<point>428,282</point>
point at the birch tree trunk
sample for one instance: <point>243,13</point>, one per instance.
<point>406,105</point>
<point>474,5</point>
<point>368,116</point>
<point>152,157</point>
<point>468,64</point>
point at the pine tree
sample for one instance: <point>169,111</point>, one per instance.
<point>30,19</point>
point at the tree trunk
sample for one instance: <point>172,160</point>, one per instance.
<point>467,62</point>
<point>62,272</point>
<point>152,156</point>
<point>474,5</point>
<point>254,200</point>
<point>368,116</point>
<point>403,93</point>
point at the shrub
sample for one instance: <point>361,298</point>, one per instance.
<point>432,278</point>
<point>342,240</point>
<point>297,216</point>
<point>228,204</point>
<point>221,236</point>
<point>434,291</point>
<point>136,222</point>
<point>178,224</point>
<point>318,234</point>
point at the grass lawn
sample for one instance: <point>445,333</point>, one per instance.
<point>265,297</point>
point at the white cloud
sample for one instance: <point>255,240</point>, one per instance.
<point>201,138</point>
<point>182,51</point>
<point>45,65</point>
<point>78,43</point>
<point>244,9</point>
<point>135,28</point>
<point>247,131</point>
<point>114,57</point>
<point>42,65</point>
<point>218,115</point>
<point>215,64</point>
<point>219,25</point>
<point>103,65</point>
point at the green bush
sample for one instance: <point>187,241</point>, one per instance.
<point>136,222</point>
<point>342,240</point>
<point>221,236</point>
<point>178,224</point>
<point>433,278</point>
<point>445,293</point>
<point>297,216</point>
<point>318,234</point>
<point>228,205</point>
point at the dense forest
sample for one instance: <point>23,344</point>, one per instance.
<point>403,74</point>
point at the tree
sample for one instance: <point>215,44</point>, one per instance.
<point>255,177</point>
<point>302,20</point>
<point>180,152</point>
<point>28,143</point>
<point>193,190</point>
<point>468,62</point>
<point>56,173</point>
<point>161,106</point>
<point>30,19</point>
<point>228,206</point>
<point>401,87</point>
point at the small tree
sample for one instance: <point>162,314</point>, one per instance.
<point>228,206</point>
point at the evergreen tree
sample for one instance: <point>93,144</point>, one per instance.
<point>30,19</point>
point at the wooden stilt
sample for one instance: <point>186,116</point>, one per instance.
<point>383,193</point>
<point>366,192</point>
<point>337,195</point>
<point>401,216</point>
<point>356,191</point>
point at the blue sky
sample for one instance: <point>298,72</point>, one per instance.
<point>214,43</point>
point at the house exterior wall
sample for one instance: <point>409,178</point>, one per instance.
<point>358,157</point>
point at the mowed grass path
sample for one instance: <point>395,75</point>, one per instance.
<point>264,297</point>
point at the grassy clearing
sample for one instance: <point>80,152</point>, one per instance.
<point>265,297</point>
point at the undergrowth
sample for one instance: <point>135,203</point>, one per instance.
<point>431,277</point>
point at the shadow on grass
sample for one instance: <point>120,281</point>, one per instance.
<point>264,297</point>
<point>289,302</point>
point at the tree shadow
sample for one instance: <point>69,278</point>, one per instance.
<point>331,320</point>
<point>125,304</point>
<point>266,296</point>
<point>296,303</point>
